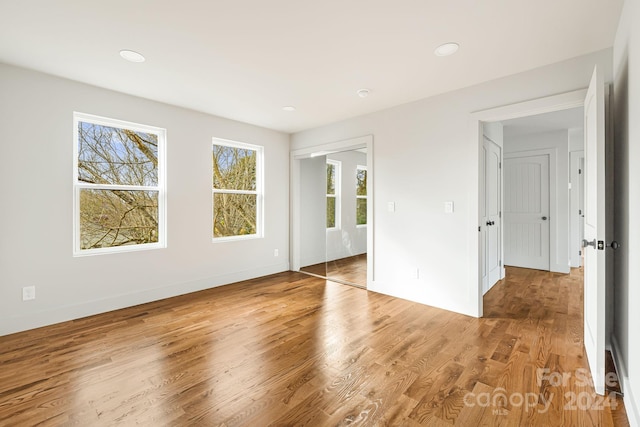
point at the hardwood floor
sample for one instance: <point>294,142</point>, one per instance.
<point>292,349</point>
<point>351,270</point>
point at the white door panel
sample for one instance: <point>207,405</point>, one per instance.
<point>576,208</point>
<point>594,231</point>
<point>491,222</point>
<point>483,219</point>
<point>526,211</point>
<point>581,209</point>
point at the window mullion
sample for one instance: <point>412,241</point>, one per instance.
<point>117,187</point>
<point>224,191</point>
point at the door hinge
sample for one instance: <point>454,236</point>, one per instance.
<point>579,171</point>
<point>580,253</point>
<point>500,263</point>
<point>499,165</point>
<point>579,211</point>
<point>500,214</point>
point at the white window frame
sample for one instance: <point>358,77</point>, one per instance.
<point>364,168</point>
<point>337,196</point>
<point>160,188</point>
<point>259,191</point>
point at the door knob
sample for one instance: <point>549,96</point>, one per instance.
<point>586,243</point>
<point>614,245</point>
<point>544,218</point>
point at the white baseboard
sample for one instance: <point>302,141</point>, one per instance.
<point>313,260</point>
<point>430,299</point>
<point>630,398</point>
<point>19,323</point>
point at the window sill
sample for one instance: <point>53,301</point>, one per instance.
<point>236,238</point>
<point>118,249</point>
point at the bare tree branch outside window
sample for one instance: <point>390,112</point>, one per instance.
<point>115,168</point>
<point>235,191</point>
<point>361,195</point>
<point>331,195</point>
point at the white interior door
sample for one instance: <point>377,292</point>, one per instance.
<point>526,211</point>
<point>491,221</point>
<point>576,208</point>
<point>595,230</point>
<point>581,200</point>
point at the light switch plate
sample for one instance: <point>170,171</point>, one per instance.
<point>448,207</point>
<point>391,206</point>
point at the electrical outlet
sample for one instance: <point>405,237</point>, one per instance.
<point>28,293</point>
<point>415,273</point>
<point>276,252</point>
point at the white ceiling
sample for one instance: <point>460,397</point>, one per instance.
<point>572,118</point>
<point>245,59</point>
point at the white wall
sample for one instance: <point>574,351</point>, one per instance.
<point>558,142</point>
<point>423,157</point>
<point>36,158</point>
<point>313,211</point>
<point>576,139</point>
<point>626,100</point>
<point>349,239</point>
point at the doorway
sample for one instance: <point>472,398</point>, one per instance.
<point>597,280</point>
<point>525,109</point>
<point>535,216</point>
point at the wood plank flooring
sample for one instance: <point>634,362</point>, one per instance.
<point>351,270</point>
<point>291,349</point>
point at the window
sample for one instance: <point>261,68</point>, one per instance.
<point>237,190</point>
<point>118,186</point>
<point>333,194</point>
<point>361,195</point>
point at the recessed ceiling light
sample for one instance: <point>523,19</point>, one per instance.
<point>446,49</point>
<point>131,56</point>
<point>289,108</point>
<point>363,93</point>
